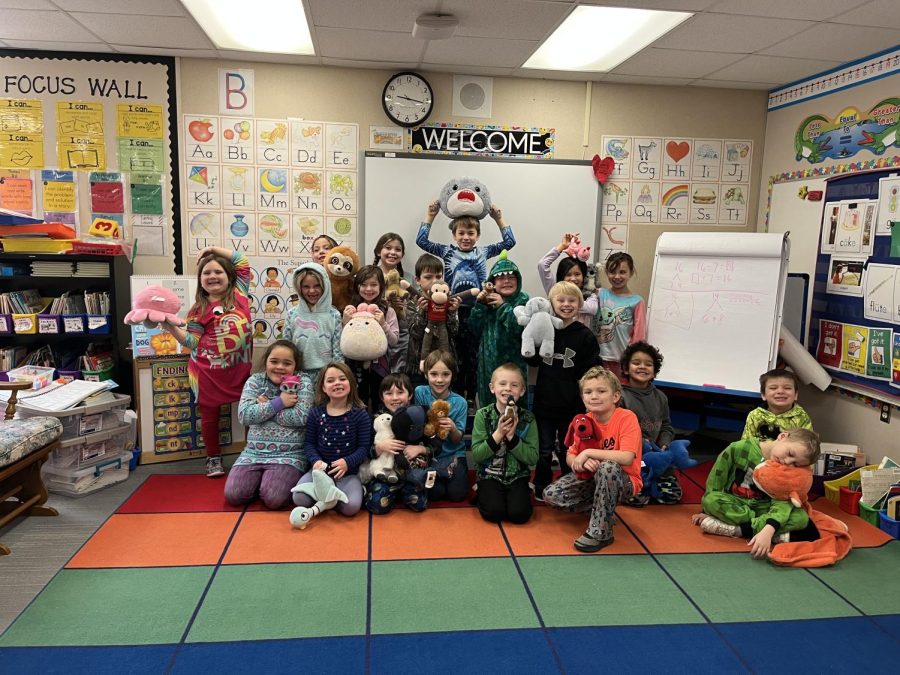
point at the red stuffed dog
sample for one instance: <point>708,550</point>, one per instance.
<point>583,434</point>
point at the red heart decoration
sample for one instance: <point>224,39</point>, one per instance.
<point>603,168</point>
<point>677,151</point>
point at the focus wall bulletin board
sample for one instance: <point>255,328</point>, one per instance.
<point>86,136</point>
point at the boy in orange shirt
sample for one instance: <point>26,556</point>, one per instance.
<point>613,469</point>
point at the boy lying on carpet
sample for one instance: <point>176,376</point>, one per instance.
<point>733,506</point>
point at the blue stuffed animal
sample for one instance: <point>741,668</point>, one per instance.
<point>655,462</point>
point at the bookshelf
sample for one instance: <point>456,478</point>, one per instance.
<point>115,282</point>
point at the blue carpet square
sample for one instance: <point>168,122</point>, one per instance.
<point>493,651</point>
<point>848,644</point>
<point>890,623</point>
<point>95,660</point>
<point>690,649</point>
<point>339,655</point>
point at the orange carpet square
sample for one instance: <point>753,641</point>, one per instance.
<point>267,537</point>
<point>435,533</point>
<point>157,540</point>
<point>668,529</point>
<point>553,532</point>
<point>864,535</point>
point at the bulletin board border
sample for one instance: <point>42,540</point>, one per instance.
<point>171,109</point>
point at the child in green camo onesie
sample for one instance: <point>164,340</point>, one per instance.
<point>494,322</point>
<point>733,506</point>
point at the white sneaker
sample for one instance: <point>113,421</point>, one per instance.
<point>712,525</point>
<point>782,538</point>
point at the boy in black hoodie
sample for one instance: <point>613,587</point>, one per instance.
<point>640,365</point>
<point>557,398</point>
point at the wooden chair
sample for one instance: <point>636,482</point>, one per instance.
<point>22,491</point>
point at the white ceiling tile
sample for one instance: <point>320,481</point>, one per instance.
<point>726,84</point>
<point>378,65</point>
<point>396,15</point>
<point>878,13</point>
<point>484,71</point>
<point>637,79</point>
<point>367,45</point>
<point>507,19</point>
<point>671,5</point>
<point>569,75</point>
<point>263,57</point>
<point>729,33</point>
<point>156,8</point>
<point>138,50</point>
<point>674,63</point>
<point>22,24</point>
<point>156,31</point>
<point>757,68</point>
<point>26,4</point>
<point>812,10</point>
<point>60,46</point>
<point>836,42</point>
<point>465,51</point>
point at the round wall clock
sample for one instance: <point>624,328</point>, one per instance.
<point>407,99</point>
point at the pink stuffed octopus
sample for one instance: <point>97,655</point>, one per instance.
<point>154,305</point>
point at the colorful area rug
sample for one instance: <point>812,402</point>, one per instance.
<point>176,581</point>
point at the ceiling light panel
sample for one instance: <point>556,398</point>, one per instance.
<point>274,26</point>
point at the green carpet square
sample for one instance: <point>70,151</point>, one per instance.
<point>443,595</point>
<point>136,606</point>
<point>735,587</point>
<point>867,578</point>
<point>605,591</point>
<point>264,602</point>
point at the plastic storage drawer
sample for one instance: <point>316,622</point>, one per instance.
<point>84,419</point>
<point>87,480</point>
<point>91,449</point>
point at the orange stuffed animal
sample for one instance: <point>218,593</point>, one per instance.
<point>783,482</point>
<point>439,410</point>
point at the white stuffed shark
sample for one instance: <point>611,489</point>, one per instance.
<point>465,196</point>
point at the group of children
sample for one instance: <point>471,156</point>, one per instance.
<point>322,421</point>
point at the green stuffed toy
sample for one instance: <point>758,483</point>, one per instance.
<point>324,491</point>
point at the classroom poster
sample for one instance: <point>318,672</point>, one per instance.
<point>830,217</point>
<point>845,275</point>
<point>895,361</point>
<point>80,139</point>
<point>17,191</point>
<point>849,132</point>
<point>855,348</point>
<point>831,343</point>
<point>59,194</point>
<point>881,293</point>
<point>878,353</point>
<point>888,203</point>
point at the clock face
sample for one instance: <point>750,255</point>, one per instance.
<point>407,99</point>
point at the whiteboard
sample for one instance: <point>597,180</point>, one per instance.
<point>540,200</point>
<point>803,219</point>
<point>715,306</point>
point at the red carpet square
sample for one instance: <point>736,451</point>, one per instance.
<point>668,529</point>
<point>267,537</point>
<point>553,532</point>
<point>692,488</point>
<point>179,494</point>
<point>157,540</point>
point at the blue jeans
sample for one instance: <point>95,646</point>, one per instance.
<point>452,481</point>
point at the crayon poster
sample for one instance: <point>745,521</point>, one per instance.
<point>855,348</point>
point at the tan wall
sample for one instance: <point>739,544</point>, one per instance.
<point>352,95</point>
<point>837,418</point>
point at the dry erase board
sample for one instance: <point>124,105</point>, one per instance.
<point>715,306</point>
<point>540,200</point>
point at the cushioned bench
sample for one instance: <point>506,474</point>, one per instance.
<point>24,446</point>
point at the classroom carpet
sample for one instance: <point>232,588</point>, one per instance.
<point>177,581</point>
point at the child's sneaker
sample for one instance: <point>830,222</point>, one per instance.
<point>712,525</point>
<point>782,538</point>
<point>214,468</point>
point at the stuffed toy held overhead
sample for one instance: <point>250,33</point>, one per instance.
<point>341,263</point>
<point>465,196</point>
<point>438,411</point>
<point>324,491</point>
<point>539,324</point>
<point>154,305</point>
<point>792,483</point>
<point>576,250</point>
<point>363,338</point>
<point>655,462</point>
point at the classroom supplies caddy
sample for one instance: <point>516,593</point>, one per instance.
<point>76,274</point>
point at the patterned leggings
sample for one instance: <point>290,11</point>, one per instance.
<point>598,494</point>
<point>272,482</point>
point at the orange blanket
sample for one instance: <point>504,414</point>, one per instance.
<point>834,544</point>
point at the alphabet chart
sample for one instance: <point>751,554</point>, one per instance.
<point>269,187</point>
<point>676,181</point>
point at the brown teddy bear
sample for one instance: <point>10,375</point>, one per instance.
<point>439,410</point>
